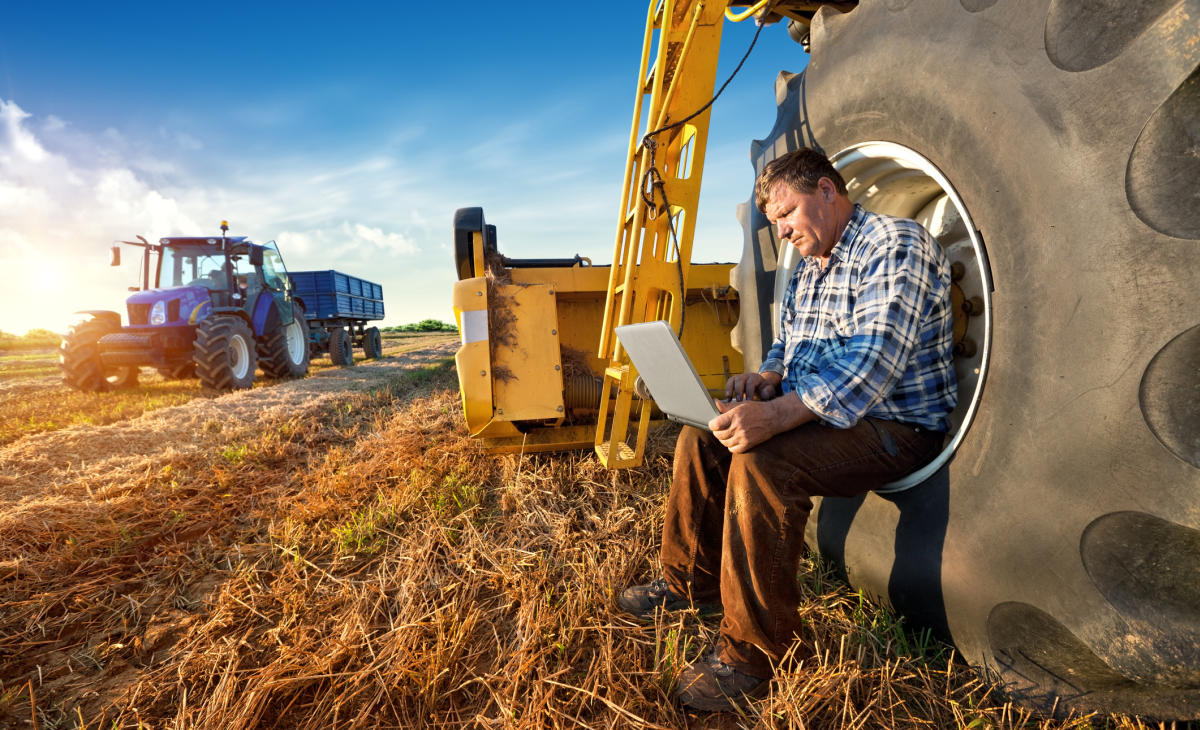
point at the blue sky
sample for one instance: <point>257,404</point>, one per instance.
<point>349,134</point>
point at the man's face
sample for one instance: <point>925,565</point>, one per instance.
<point>808,222</point>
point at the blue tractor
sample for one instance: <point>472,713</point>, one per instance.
<point>211,308</point>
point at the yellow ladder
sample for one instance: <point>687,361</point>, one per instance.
<point>644,283</point>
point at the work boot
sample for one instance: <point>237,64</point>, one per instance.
<point>643,601</point>
<point>712,685</point>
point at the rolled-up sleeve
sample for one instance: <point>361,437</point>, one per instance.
<point>774,362</point>
<point>891,296</point>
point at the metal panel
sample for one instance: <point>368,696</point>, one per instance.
<point>534,390</point>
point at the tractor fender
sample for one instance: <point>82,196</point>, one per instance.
<point>300,301</point>
<point>102,314</point>
<point>266,315</point>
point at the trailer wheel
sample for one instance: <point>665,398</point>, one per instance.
<point>372,343</point>
<point>1056,544</point>
<point>186,371</point>
<point>79,356</point>
<point>283,353</point>
<point>224,353</point>
<point>341,347</point>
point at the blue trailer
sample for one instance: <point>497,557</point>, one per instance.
<point>338,307</point>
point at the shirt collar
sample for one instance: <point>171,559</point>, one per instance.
<point>857,216</point>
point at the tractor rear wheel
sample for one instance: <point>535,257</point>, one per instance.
<point>225,357</point>
<point>341,347</point>
<point>1056,542</point>
<point>284,352</point>
<point>79,355</point>
<point>373,343</point>
<point>179,372</point>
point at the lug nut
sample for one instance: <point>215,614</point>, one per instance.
<point>974,305</point>
<point>957,271</point>
<point>966,348</point>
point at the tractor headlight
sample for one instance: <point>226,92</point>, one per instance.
<point>158,314</point>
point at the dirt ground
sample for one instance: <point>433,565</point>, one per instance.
<point>336,552</point>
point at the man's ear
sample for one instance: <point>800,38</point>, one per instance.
<point>828,189</point>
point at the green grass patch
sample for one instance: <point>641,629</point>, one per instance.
<point>30,357</point>
<point>36,339</point>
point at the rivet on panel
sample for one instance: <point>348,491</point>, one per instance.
<point>483,372</point>
<point>478,293</point>
<point>556,367</point>
<point>554,332</point>
<point>560,409</point>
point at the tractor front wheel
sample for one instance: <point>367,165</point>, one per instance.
<point>284,352</point>
<point>225,356</point>
<point>123,377</point>
<point>79,356</point>
<point>179,372</point>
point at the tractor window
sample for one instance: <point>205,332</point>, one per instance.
<point>274,272</point>
<point>194,266</point>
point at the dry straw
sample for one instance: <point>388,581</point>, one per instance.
<point>361,564</point>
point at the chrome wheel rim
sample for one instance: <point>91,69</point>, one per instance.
<point>239,356</point>
<point>295,342</point>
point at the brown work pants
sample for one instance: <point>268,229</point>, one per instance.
<point>734,529</point>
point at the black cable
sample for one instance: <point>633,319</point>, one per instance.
<point>653,176</point>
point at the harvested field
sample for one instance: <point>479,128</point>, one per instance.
<point>334,552</point>
<point>34,400</point>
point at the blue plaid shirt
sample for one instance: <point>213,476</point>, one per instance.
<point>871,335</point>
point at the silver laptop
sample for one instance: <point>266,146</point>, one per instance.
<point>668,373</point>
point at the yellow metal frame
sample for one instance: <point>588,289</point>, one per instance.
<point>739,17</point>
<point>644,282</point>
<point>525,408</point>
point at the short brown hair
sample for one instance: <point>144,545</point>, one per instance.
<point>800,170</point>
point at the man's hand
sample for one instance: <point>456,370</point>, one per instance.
<point>749,386</point>
<point>742,426</point>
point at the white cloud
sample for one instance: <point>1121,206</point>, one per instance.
<point>56,217</point>
<point>381,211</point>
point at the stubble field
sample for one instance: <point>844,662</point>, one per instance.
<point>335,552</point>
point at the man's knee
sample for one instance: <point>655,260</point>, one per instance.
<point>757,472</point>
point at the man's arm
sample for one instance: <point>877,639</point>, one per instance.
<point>742,426</point>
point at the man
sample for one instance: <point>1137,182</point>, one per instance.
<point>854,394</point>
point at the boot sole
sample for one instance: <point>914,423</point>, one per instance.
<point>727,704</point>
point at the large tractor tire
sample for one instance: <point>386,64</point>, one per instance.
<point>79,359</point>
<point>1053,147</point>
<point>224,353</point>
<point>283,353</point>
<point>341,347</point>
<point>372,343</point>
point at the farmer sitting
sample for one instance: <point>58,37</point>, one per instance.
<point>855,393</point>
